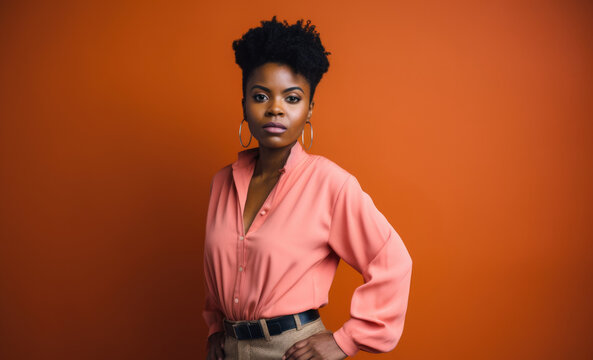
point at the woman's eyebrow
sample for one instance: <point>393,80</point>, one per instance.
<point>293,88</point>
<point>285,90</point>
<point>260,87</point>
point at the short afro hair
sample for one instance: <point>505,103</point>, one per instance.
<point>297,46</point>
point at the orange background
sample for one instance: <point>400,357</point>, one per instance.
<point>468,122</point>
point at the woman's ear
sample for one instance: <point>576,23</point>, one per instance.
<point>310,113</point>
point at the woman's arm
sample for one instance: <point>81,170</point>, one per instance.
<point>363,237</point>
<point>212,315</point>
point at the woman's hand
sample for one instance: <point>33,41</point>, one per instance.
<point>216,346</point>
<point>321,346</point>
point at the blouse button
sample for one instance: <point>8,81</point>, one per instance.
<point>236,300</point>
<point>241,237</point>
<point>263,212</point>
<point>240,268</point>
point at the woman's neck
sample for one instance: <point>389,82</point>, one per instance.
<point>269,161</point>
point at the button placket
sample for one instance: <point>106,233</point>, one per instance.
<point>240,259</point>
<point>242,239</point>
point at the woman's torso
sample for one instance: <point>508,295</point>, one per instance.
<point>283,264</point>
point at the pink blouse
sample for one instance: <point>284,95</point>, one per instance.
<point>316,214</point>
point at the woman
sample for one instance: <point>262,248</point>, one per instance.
<point>280,219</point>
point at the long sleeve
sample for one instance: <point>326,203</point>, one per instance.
<point>212,315</point>
<point>363,238</point>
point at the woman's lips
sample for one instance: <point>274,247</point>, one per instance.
<point>274,128</point>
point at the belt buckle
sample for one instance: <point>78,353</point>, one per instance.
<point>234,327</point>
<point>245,330</point>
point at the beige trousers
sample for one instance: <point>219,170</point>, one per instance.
<point>271,349</point>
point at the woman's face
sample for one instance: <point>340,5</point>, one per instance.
<point>276,105</point>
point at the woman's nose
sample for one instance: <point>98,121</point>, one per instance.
<point>275,108</point>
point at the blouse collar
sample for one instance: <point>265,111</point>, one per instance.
<point>246,158</point>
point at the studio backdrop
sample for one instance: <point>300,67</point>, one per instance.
<point>468,123</point>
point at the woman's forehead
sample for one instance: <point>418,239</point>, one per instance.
<point>277,75</point>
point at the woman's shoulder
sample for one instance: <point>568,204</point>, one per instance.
<point>329,170</point>
<point>226,173</point>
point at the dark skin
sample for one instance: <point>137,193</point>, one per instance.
<point>274,92</point>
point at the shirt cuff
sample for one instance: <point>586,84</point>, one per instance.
<point>214,328</point>
<point>345,342</point>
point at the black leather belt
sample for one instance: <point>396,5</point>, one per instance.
<point>252,329</point>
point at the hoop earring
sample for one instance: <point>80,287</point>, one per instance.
<point>303,135</point>
<point>241,140</point>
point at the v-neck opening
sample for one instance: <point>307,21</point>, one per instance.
<point>242,172</point>
<point>267,200</point>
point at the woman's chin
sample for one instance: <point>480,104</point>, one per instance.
<point>274,143</point>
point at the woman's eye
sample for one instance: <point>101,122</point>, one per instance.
<point>293,99</point>
<point>260,97</point>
